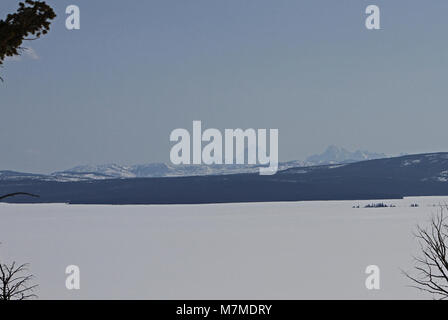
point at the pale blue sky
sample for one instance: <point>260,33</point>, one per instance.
<point>114,90</point>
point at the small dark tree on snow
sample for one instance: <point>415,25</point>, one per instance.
<point>15,282</point>
<point>432,266</point>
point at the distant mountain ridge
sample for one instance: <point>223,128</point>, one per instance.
<point>386,178</point>
<point>335,155</point>
<point>332,155</point>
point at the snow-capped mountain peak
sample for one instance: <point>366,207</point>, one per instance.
<point>333,155</point>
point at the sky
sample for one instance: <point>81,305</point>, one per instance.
<point>113,91</point>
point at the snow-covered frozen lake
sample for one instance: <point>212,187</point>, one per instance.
<point>295,250</point>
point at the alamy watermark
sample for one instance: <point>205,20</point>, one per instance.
<point>235,147</point>
<point>373,18</point>
<point>73,280</point>
<point>73,20</point>
<point>373,279</point>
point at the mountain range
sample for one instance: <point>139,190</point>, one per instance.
<point>386,178</point>
<point>332,155</point>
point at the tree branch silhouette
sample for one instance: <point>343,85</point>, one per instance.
<point>14,282</point>
<point>32,18</point>
<point>432,266</point>
<point>17,194</point>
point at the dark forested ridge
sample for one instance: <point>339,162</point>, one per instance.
<point>413,175</point>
